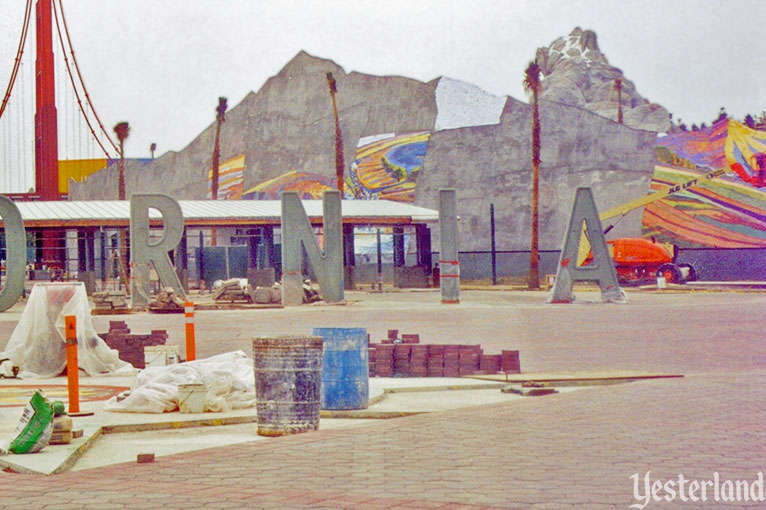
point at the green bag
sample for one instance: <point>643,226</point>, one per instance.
<point>35,427</point>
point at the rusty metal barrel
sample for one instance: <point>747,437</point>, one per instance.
<point>288,377</point>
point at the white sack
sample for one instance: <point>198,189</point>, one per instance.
<point>229,379</point>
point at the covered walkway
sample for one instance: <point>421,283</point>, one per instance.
<point>78,239</point>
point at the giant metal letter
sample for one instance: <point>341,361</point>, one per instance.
<point>327,264</point>
<point>15,253</point>
<point>448,252</point>
<point>600,269</point>
<point>143,251</point>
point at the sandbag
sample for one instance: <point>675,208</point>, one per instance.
<point>35,426</point>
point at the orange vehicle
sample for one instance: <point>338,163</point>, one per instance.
<point>637,259</point>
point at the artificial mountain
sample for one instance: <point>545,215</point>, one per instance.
<point>478,143</point>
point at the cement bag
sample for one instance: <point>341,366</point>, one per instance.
<point>229,379</point>
<point>35,427</point>
<point>38,343</point>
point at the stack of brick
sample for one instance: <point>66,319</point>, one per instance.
<point>435,361</point>
<point>451,361</point>
<point>490,363</point>
<point>468,359</point>
<point>419,361</point>
<point>511,363</point>
<point>384,360</point>
<point>402,360</point>
<point>371,353</point>
<point>131,347</point>
<point>110,300</point>
<point>405,356</point>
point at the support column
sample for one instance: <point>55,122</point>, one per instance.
<point>448,252</point>
<point>90,250</point>
<point>423,242</point>
<point>253,240</point>
<point>348,257</point>
<point>492,237</point>
<point>85,249</point>
<point>398,242</point>
<point>398,246</point>
<point>82,255</point>
<point>182,261</point>
<point>268,245</point>
<point>200,261</point>
<point>102,241</point>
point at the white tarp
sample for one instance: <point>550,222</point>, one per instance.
<point>229,379</point>
<point>38,344</point>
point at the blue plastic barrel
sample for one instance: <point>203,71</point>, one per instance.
<point>345,368</point>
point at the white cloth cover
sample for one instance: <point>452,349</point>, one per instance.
<point>38,344</point>
<point>229,379</point>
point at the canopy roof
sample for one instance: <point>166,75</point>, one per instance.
<point>116,213</point>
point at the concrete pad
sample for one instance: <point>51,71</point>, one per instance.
<point>110,437</point>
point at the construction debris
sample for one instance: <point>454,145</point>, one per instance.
<point>167,301</point>
<point>233,289</point>
<point>110,300</point>
<point>530,389</point>
<point>310,293</point>
<point>62,430</point>
<point>239,290</point>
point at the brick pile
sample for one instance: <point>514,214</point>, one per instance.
<point>407,357</point>
<point>131,347</point>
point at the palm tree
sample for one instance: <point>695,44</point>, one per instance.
<point>532,86</point>
<point>122,130</point>
<point>219,118</point>
<point>339,164</point>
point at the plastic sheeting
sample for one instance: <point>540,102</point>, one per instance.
<point>229,379</point>
<point>38,344</point>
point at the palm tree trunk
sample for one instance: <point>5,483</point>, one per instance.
<point>339,163</point>
<point>534,269</point>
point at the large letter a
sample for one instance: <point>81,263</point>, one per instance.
<point>600,269</point>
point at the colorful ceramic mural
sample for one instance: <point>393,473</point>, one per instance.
<point>726,212</point>
<point>230,179</point>
<point>387,166</point>
<point>308,186</point>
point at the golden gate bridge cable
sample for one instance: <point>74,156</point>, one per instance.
<point>74,87</point>
<point>79,76</point>
<point>19,53</point>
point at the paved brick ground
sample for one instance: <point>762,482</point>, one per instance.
<point>569,451</point>
<point>574,450</point>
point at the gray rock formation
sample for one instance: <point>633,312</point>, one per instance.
<point>287,125</point>
<point>493,164</point>
<point>575,72</point>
